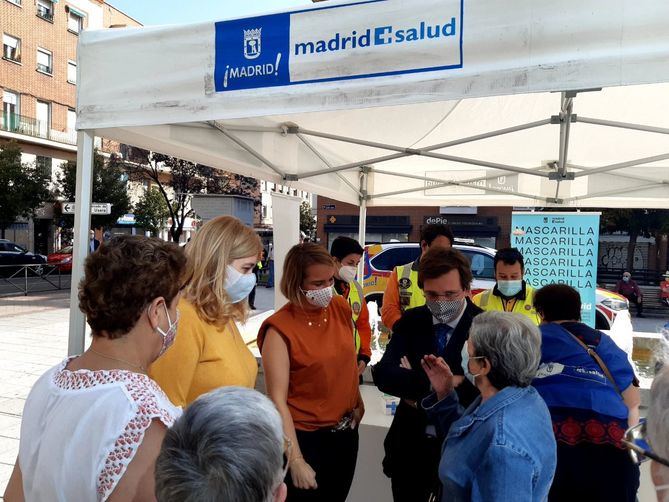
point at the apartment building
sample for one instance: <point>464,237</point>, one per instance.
<point>38,79</point>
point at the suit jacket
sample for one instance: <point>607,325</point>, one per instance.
<point>413,337</point>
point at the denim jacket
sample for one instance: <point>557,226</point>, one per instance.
<point>499,450</point>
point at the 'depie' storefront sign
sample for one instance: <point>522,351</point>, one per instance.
<point>560,248</point>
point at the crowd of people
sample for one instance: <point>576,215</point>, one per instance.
<point>504,396</point>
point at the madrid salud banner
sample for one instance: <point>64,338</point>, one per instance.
<point>560,248</point>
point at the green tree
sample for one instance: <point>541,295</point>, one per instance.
<point>109,186</point>
<point>307,221</point>
<point>151,212</point>
<point>22,187</point>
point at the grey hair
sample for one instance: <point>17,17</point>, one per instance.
<point>657,420</point>
<point>512,345</point>
<point>228,445</point>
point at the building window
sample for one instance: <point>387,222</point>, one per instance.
<point>45,9</point>
<point>11,48</point>
<point>72,72</point>
<point>10,110</point>
<point>75,21</point>
<point>43,116</point>
<point>15,2</point>
<point>44,166</point>
<point>44,61</point>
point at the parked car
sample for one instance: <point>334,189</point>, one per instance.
<point>380,259</point>
<point>13,254</point>
<point>61,259</point>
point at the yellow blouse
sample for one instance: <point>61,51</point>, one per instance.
<point>202,358</point>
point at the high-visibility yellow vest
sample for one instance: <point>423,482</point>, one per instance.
<point>488,301</point>
<point>355,299</point>
<point>411,295</point>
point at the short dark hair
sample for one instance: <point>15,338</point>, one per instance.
<point>558,302</point>
<point>123,276</point>
<point>343,246</point>
<point>509,256</point>
<point>430,232</point>
<point>438,261</point>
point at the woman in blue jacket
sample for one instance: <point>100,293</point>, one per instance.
<point>589,386</point>
<point>502,447</point>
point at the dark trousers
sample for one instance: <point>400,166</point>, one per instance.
<point>332,455</point>
<point>416,476</point>
<point>638,303</point>
<point>596,473</point>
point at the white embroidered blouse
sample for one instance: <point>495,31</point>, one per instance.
<point>81,429</point>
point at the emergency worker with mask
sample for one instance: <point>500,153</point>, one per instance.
<point>440,327</point>
<point>347,254</point>
<point>511,293</point>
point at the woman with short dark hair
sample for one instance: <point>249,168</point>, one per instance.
<point>308,353</point>
<point>92,426</point>
<point>592,393</point>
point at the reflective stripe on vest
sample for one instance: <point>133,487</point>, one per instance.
<point>355,299</point>
<point>411,295</point>
<point>488,301</point>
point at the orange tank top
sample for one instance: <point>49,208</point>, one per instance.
<point>323,384</point>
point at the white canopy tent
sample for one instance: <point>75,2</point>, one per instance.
<point>396,102</point>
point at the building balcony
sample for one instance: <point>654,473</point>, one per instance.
<point>28,126</point>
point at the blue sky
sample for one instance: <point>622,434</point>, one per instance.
<point>150,12</point>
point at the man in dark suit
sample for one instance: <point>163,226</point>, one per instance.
<point>440,327</point>
<point>93,243</point>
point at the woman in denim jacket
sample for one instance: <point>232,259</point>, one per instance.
<point>502,447</point>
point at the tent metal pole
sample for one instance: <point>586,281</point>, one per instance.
<point>82,223</point>
<point>484,163</point>
<point>362,223</point>
<point>352,165</point>
<point>464,183</point>
<point>623,125</point>
<point>628,176</point>
<point>248,148</point>
<point>622,165</point>
<point>611,192</point>
<point>565,122</point>
<point>325,161</point>
<point>451,183</point>
<point>417,151</point>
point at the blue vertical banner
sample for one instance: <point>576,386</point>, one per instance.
<point>560,248</point>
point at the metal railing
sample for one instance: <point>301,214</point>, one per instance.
<point>34,278</point>
<point>29,126</point>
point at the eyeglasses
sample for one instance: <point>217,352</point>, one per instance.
<point>635,440</point>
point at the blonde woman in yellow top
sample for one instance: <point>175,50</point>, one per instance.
<point>208,351</point>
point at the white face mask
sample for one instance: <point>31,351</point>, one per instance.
<point>237,285</point>
<point>319,297</point>
<point>465,364</point>
<point>347,273</point>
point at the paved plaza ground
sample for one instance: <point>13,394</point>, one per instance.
<point>33,338</point>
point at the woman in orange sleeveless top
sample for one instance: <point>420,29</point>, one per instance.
<point>308,353</point>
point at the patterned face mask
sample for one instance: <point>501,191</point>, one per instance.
<point>319,297</point>
<point>446,310</point>
<point>170,334</point>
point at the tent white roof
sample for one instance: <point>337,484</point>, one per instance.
<point>396,102</point>
<point>505,67</point>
